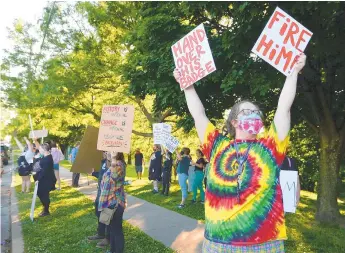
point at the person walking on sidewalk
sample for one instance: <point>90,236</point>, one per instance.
<point>167,167</point>
<point>102,230</point>
<point>113,196</point>
<point>199,176</point>
<point>244,203</point>
<point>182,173</point>
<point>73,155</point>
<point>139,163</point>
<point>57,158</point>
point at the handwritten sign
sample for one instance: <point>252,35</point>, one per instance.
<point>282,39</point>
<point>171,143</point>
<point>288,184</point>
<point>116,128</point>
<point>33,202</point>
<point>161,131</point>
<point>193,57</point>
<point>38,133</point>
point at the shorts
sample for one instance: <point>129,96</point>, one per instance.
<point>139,168</point>
<point>56,166</point>
<point>271,246</point>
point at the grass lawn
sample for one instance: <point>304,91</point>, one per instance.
<point>72,220</point>
<point>305,234</point>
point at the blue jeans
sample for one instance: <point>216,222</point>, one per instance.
<point>182,180</point>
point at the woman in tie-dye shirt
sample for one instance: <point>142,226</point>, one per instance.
<point>244,204</point>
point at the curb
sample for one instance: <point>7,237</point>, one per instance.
<point>16,227</point>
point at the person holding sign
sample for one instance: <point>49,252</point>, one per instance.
<point>155,170</point>
<point>244,206</point>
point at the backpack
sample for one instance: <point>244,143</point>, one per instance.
<point>24,168</point>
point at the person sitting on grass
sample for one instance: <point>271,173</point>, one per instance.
<point>199,176</point>
<point>167,167</point>
<point>102,230</point>
<point>182,173</point>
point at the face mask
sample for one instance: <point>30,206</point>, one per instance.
<point>251,123</point>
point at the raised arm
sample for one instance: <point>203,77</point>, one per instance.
<point>282,118</point>
<point>195,108</point>
<point>30,147</point>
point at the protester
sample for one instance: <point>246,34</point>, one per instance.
<point>244,205</point>
<point>57,158</point>
<point>102,230</point>
<point>199,165</point>
<point>46,179</point>
<point>191,174</point>
<point>167,167</point>
<point>73,155</point>
<point>182,173</point>
<point>291,165</point>
<point>155,169</point>
<point>113,196</point>
<point>25,163</point>
<point>177,161</point>
<point>139,162</point>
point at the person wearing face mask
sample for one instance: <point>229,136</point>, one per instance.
<point>46,179</point>
<point>167,167</point>
<point>113,196</point>
<point>244,203</point>
<point>155,169</point>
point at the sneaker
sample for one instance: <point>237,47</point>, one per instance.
<point>180,206</point>
<point>43,214</point>
<point>193,201</point>
<point>154,191</point>
<point>202,202</point>
<point>95,237</point>
<point>103,244</point>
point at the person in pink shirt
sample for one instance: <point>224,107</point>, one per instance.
<point>57,157</point>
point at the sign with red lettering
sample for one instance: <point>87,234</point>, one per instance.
<point>116,128</point>
<point>193,57</point>
<point>281,41</point>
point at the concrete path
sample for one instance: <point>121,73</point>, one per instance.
<point>179,232</point>
<point>11,233</point>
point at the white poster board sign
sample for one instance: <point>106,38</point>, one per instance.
<point>193,57</point>
<point>38,133</point>
<point>171,143</point>
<point>33,203</point>
<point>288,184</point>
<point>116,128</point>
<point>161,131</point>
<point>282,39</point>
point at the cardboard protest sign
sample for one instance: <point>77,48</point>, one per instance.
<point>158,137</point>
<point>282,39</point>
<point>161,131</point>
<point>38,133</point>
<point>116,128</point>
<point>33,202</point>
<point>193,57</point>
<point>288,184</point>
<point>171,143</point>
<point>88,157</point>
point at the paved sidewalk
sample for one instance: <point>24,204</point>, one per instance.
<point>174,230</point>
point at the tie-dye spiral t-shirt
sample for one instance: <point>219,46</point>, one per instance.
<point>258,215</point>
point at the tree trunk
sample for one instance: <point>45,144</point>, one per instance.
<point>330,156</point>
<point>129,159</point>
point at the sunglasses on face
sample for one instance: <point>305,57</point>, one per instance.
<point>247,112</point>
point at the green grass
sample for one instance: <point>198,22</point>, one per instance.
<point>305,234</point>
<point>72,220</point>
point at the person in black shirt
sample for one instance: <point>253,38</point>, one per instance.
<point>290,164</point>
<point>200,165</point>
<point>46,179</point>
<point>139,162</point>
<point>167,166</point>
<point>155,170</point>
